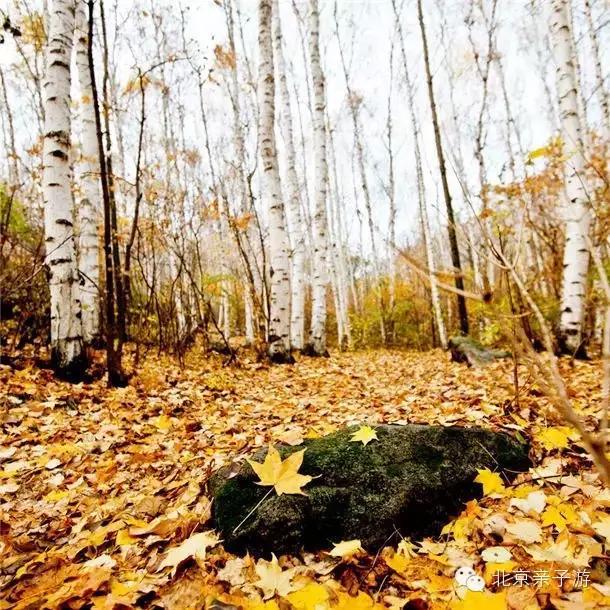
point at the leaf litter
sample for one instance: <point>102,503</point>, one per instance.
<point>103,491</point>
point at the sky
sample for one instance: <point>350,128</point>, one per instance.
<point>368,33</point>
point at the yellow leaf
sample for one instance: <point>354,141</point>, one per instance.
<point>98,537</point>
<point>491,569</point>
<point>311,597</point>
<point>272,579</point>
<point>258,605</point>
<point>539,152</point>
<point>56,495</point>
<point>407,548</point>
<point>123,538</point>
<point>491,481</point>
<point>560,516</point>
<point>459,528</point>
<point>195,546</point>
<point>163,423</point>
<point>477,600</point>
<point>398,562</point>
<point>554,438</point>
<point>346,549</point>
<point>282,475</point>
<point>364,434</point>
<point>360,602</point>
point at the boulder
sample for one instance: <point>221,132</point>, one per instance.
<point>413,479</point>
<point>473,353</point>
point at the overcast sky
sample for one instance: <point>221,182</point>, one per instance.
<point>367,31</point>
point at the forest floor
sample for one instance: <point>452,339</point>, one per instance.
<point>99,488</point>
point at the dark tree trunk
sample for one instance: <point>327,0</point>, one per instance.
<point>116,376</point>
<point>453,243</point>
<point>116,253</point>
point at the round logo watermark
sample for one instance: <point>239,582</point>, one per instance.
<point>467,577</point>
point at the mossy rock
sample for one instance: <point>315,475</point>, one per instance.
<point>473,353</point>
<point>413,479</point>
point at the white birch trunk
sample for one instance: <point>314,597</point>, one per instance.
<point>66,329</point>
<point>295,219</point>
<point>249,240</point>
<point>338,247</point>
<point>90,205</point>
<point>319,271</point>
<point>278,334</point>
<point>421,194</point>
<point>577,214</point>
<point>602,92</point>
<point>225,266</point>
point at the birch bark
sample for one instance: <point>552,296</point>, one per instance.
<point>602,92</point>
<point>279,302</point>
<point>421,194</point>
<point>89,205</point>
<point>577,213</point>
<point>320,247</point>
<point>66,329</point>
<point>294,217</point>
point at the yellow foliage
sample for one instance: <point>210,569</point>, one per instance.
<point>282,475</point>
<point>491,481</point>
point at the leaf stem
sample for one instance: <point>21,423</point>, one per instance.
<point>253,510</point>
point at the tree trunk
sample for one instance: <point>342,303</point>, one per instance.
<point>278,334</point>
<point>354,105</point>
<point>602,93</point>
<point>453,243</point>
<point>295,219</point>
<point>338,247</point>
<point>577,213</point>
<point>121,315</point>
<point>113,354</point>
<point>90,204</point>
<point>317,344</point>
<point>421,194</point>
<point>67,350</point>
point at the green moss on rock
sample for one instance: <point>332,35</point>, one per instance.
<point>473,353</point>
<point>413,479</point>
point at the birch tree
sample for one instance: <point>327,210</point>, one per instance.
<point>294,216</point>
<point>89,205</point>
<point>602,92</point>
<point>354,102</point>
<point>320,272</point>
<point>278,337</point>
<point>577,214</point>
<point>66,329</point>
<point>421,194</point>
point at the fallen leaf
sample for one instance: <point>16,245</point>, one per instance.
<point>491,481</point>
<point>312,596</point>
<point>346,549</point>
<point>554,438</point>
<point>52,463</point>
<point>195,547</point>
<point>496,554</point>
<point>8,488</point>
<point>282,475</point>
<point>525,530</point>
<point>534,502</point>
<point>272,579</point>
<point>364,434</point>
